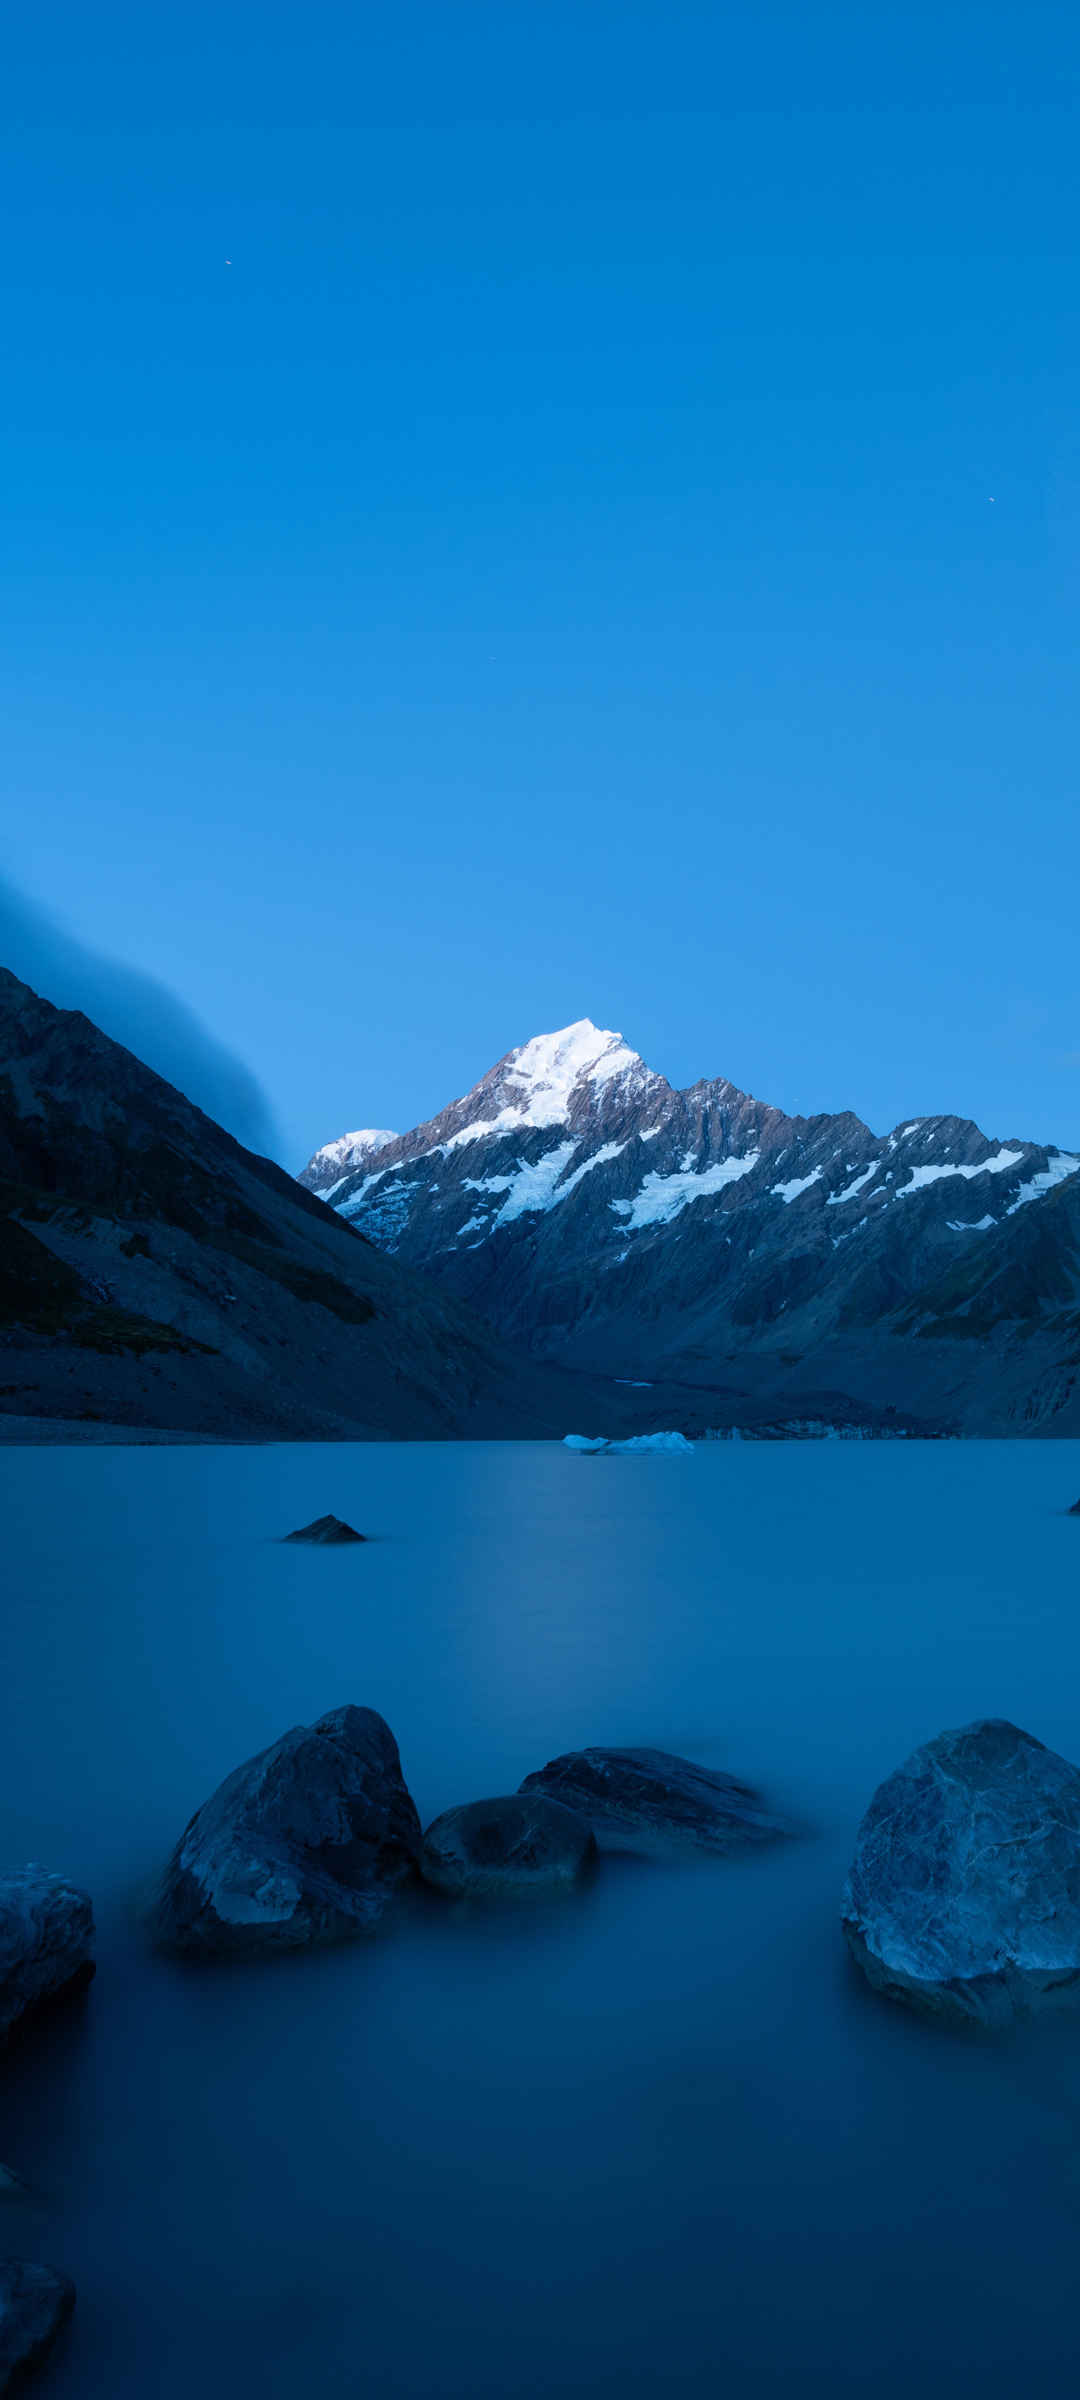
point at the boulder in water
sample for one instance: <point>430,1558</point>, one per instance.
<point>305,1843</point>
<point>649,1800</point>
<point>46,1937</point>
<point>326,1529</point>
<point>964,1892</point>
<point>1075,1509</point>
<point>516,1844</point>
<point>34,2303</point>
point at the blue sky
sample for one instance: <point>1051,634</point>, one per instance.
<point>606,545</point>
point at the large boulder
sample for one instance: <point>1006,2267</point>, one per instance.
<point>964,1892</point>
<point>305,1843</point>
<point>46,1938</point>
<point>649,1800</point>
<point>34,2303</point>
<point>506,1846</point>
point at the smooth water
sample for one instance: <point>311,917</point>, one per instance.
<point>657,2139</point>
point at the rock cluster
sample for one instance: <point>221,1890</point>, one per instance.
<point>309,1841</point>
<point>963,1898</point>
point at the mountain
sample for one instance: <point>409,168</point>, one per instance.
<point>706,1242</point>
<point>154,1273</point>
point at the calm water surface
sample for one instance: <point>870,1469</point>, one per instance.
<point>658,2139</point>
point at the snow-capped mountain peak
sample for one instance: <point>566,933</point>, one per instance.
<point>349,1151</point>
<point>538,1081</point>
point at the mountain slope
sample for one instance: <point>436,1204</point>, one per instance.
<point>604,1219</point>
<point>155,1273</point>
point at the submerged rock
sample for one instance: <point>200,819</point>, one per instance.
<point>326,1529</point>
<point>46,1937</point>
<point>513,1844</point>
<point>1075,1509</point>
<point>34,2303</point>
<point>964,1892</point>
<point>305,1843</point>
<point>650,1800</point>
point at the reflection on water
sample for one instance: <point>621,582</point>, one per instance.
<point>656,2139</point>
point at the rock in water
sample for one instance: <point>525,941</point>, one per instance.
<point>326,1529</point>
<point>46,1936</point>
<point>648,1800</point>
<point>305,1843</point>
<point>1075,1509</point>
<point>506,1846</point>
<point>964,1892</point>
<point>34,2303</point>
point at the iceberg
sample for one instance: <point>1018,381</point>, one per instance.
<point>593,1444</point>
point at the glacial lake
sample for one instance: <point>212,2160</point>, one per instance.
<point>656,2139</point>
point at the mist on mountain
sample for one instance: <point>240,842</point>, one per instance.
<point>135,1009</point>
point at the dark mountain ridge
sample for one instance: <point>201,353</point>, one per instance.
<point>153,1272</point>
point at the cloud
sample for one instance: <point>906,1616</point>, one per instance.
<point>136,1010</point>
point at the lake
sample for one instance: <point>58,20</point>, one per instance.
<point>655,2139</point>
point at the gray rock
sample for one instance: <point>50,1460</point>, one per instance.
<point>326,1529</point>
<point>964,1892</point>
<point>506,1846</point>
<point>34,2303</point>
<point>648,1800</point>
<point>305,1843</point>
<point>46,1937</point>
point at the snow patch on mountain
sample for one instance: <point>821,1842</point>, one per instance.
<point>799,1183</point>
<point>999,1164</point>
<point>1057,1170</point>
<point>837,1199</point>
<point>530,1187</point>
<point>347,1208</point>
<point>663,1196</point>
<point>540,1186</point>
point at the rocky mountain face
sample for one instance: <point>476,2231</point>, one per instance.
<point>704,1242</point>
<point>154,1273</point>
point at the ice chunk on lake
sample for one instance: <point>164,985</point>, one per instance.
<point>676,1443</point>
